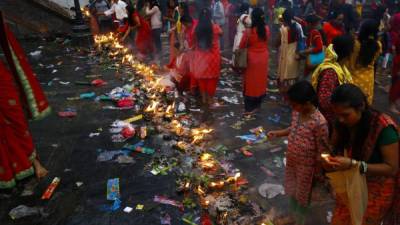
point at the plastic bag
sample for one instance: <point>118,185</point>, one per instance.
<point>23,211</point>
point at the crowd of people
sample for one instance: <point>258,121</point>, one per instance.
<point>328,57</point>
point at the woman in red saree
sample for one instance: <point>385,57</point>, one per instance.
<point>143,39</point>
<point>206,60</point>
<point>19,90</point>
<point>369,140</point>
<point>255,77</point>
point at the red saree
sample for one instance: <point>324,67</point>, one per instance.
<point>20,96</point>
<point>143,41</point>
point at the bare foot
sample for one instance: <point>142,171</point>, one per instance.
<point>40,171</point>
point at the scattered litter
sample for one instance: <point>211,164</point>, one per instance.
<point>181,107</point>
<point>167,201</point>
<point>98,83</point>
<point>232,100</point>
<point>89,95</point>
<point>109,155</point>
<point>77,68</point>
<point>51,188</point>
<point>125,159</point>
<point>269,191</point>
<point>54,71</point>
<point>134,119</point>
<point>64,82</point>
<point>125,103</point>
<point>165,219</point>
<point>113,189</point>
<point>139,207</point>
<point>23,211</point>
<point>94,135</point>
<point>68,113</point>
<point>128,209</point>
<point>257,136</point>
<point>112,208</point>
<point>78,184</point>
<point>36,53</point>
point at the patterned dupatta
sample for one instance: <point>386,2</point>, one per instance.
<point>32,95</point>
<point>378,123</point>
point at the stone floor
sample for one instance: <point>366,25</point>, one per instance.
<point>68,152</point>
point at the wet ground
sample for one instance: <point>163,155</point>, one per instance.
<point>68,152</point>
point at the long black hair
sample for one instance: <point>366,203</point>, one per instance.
<point>288,17</point>
<point>140,5</point>
<point>154,3</point>
<point>204,30</point>
<point>185,8</point>
<point>257,21</point>
<point>368,37</point>
<point>302,92</point>
<point>343,46</point>
<point>244,8</point>
<point>349,95</point>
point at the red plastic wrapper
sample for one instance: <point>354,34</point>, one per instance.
<point>51,188</point>
<point>98,82</point>
<point>166,201</point>
<point>128,132</point>
<point>126,102</point>
<point>205,219</point>
<point>67,114</point>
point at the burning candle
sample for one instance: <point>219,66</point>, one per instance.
<point>325,156</point>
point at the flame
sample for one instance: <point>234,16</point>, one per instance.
<point>170,109</point>
<point>199,134</point>
<point>207,161</point>
<point>218,184</point>
<point>206,157</point>
<point>200,190</point>
<point>152,106</point>
<point>237,175</point>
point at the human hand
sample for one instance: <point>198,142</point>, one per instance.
<point>273,134</point>
<point>338,162</point>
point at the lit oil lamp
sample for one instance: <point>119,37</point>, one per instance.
<point>217,185</point>
<point>199,134</point>
<point>152,107</point>
<point>207,162</point>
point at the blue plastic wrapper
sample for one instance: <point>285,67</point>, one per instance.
<point>89,95</point>
<point>113,189</point>
<point>134,146</point>
<point>105,156</point>
<point>111,208</point>
<point>249,137</point>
